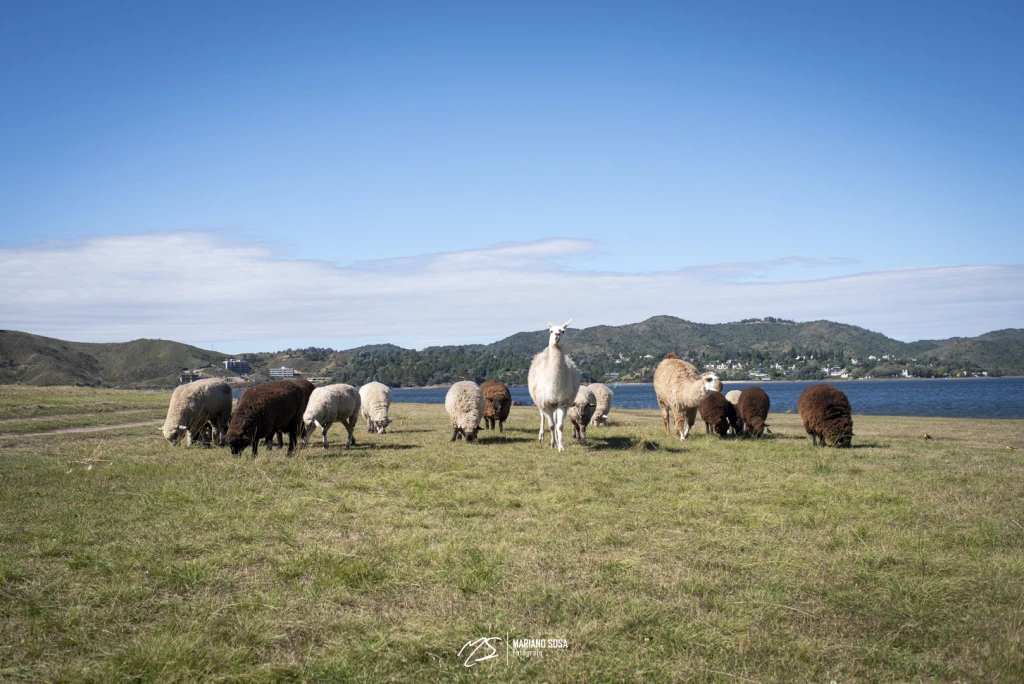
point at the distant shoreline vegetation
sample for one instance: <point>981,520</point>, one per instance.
<point>759,350</point>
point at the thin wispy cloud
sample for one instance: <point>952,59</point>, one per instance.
<point>201,286</point>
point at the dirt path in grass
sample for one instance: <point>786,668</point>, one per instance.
<point>90,428</point>
<point>3,421</point>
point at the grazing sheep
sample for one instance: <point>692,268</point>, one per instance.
<point>733,397</point>
<point>194,406</point>
<point>604,395</point>
<point>753,408</point>
<point>718,414</point>
<point>581,412</point>
<point>498,402</point>
<point>262,411</point>
<point>465,406</point>
<point>825,411</point>
<point>376,399</point>
<point>553,381</point>
<point>679,387</point>
<point>308,388</point>
<point>327,405</point>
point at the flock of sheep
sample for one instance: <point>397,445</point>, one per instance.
<point>202,409</point>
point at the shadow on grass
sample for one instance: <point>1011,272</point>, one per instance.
<point>627,443</point>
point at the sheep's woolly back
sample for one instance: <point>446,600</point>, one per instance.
<point>375,398</point>
<point>465,405</point>
<point>604,395</point>
<point>554,379</point>
<point>733,397</point>
<point>825,412</point>
<point>197,402</point>
<point>332,403</point>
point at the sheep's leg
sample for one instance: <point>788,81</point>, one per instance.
<point>455,434</point>
<point>323,433</point>
<point>501,426</point>
<point>664,416</point>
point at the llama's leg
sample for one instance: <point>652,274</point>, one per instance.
<point>540,433</point>
<point>559,420</point>
<point>691,418</point>
<point>664,416</point>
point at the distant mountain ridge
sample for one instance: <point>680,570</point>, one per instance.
<point>625,352</point>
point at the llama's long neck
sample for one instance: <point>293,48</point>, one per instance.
<point>556,357</point>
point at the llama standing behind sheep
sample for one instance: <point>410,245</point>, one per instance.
<point>498,403</point>
<point>553,381</point>
<point>376,399</point>
<point>581,412</point>
<point>604,395</point>
<point>328,405</point>
<point>680,388</point>
<point>825,412</point>
<point>194,406</point>
<point>465,406</point>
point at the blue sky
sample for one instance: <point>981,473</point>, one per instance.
<point>712,161</point>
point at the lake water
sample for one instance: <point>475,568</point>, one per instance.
<point>967,398</point>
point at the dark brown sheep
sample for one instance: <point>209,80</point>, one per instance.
<point>308,388</point>
<point>753,409</point>
<point>826,415</point>
<point>262,411</point>
<point>497,403</point>
<point>718,414</point>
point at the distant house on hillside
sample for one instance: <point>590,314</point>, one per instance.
<point>238,366</point>
<point>186,378</point>
<point>282,372</point>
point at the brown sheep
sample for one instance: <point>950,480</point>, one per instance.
<point>825,411</point>
<point>308,388</point>
<point>497,404</point>
<point>262,411</point>
<point>680,388</point>
<point>753,409</point>
<point>718,414</point>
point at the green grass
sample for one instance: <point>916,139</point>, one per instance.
<point>124,558</point>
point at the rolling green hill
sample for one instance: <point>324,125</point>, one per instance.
<point>34,360</point>
<point>625,353</point>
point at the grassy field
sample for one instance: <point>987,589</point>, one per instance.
<point>124,558</point>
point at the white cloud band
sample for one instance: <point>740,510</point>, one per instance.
<point>197,286</point>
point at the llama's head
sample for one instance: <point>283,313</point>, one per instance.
<point>555,339</point>
<point>711,383</point>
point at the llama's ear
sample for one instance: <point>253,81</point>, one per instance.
<point>549,323</point>
<point>567,323</point>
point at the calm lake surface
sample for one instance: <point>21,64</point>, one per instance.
<point>967,398</point>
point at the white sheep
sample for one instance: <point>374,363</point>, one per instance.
<point>679,387</point>
<point>581,412</point>
<point>733,397</point>
<point>604,395</point>
<point>328,405</point>
<point>376,398</point>
<point>465,406</point>
<point>195,405</point>
<point>553,381</point>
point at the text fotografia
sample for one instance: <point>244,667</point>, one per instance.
<point>530,648</point>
